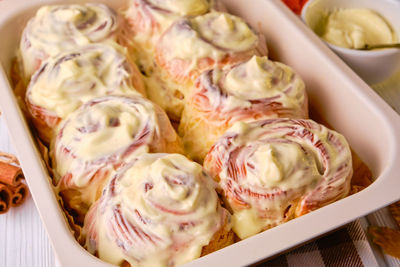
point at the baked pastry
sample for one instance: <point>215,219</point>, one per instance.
<point>271,171</point>
<point>100,137</point>
<point>66,81</point>
<point>252,90</point>
<point>161,210</point>
<point>193,45</point>
<point>148,19</point>
<point>57,28</point>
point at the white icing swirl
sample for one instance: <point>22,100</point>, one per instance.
<point>252,90</point>
<point>260,78</point>
<point>57,28</point>
<point>273,170</point>
<point>181,7</point>
<point>104,134</point>
<point>225,31</point>
<point>159,211</point>
<point>244,86</point>
<point>213,35</point>
<point>65,82</point>
<point>191,46</point>
<point>149,18</point>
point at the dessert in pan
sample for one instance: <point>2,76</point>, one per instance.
<point>71,78</point>
<point>100,137</point>
<point>271,171</point>
<point>251,90</point>
<point>148,19</point>
<point>120,170</point>
<point>206,41</point>
<point>160,210</point>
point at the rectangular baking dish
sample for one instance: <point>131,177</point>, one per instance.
<point>335,92</point>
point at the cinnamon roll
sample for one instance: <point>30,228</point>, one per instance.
<point>148,19</point>
<point>193,45</point>
<point>161,210</point>
<point>101,136</point>
<point>73,77</point>
<point>271,171</point>
<point>57,28</point>
<point>256,89</point>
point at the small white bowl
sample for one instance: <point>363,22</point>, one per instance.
<point>373,66</point>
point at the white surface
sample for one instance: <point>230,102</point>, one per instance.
<point>332,110</point>
<point>23,240</point>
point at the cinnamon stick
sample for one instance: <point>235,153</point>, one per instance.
<point>12,191</point>
<point>5,198</point>
<point>19,194</point>
<point>10,174</point>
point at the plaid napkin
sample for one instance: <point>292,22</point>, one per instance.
<point>347,246</point>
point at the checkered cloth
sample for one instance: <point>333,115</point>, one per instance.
<point>347,246</point>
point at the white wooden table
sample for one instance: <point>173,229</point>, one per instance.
<point>23,240</point>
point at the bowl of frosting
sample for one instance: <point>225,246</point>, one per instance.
<point>348,26</point>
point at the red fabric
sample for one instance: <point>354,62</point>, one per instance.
<point>295,5</point>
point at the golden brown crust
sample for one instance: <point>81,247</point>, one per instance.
<point>362,175</point>
<point>222,238</point>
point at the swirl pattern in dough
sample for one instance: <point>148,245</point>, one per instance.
<point>57,28</point>
<point>65,82</point>
<point>100,137</point>
<point>193,45</point>
<point>150,18</point>
<point>162,210</point>
<point>252,90</point>
<point>271,171</point>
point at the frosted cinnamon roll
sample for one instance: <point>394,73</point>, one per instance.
<point>161,210</point>
<point>271,171</point>
<point>256,89</point>
<point>56,28</point>
<point>148,19</point>
<point>101,136</point>
<point>193,45</point>
<point>65,82</point>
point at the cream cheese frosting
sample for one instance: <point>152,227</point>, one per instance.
<point>273,170</point>
<point>252,90</point>
<point>149,19</point>
<point>261,78</point>
<point>57,28</point>
<point>356,28</point>
<point>155,16</point>
<point>182,7</point>
<point>67,81</point>
<point>193,45</point>
<point>104,134</point>
<point>210,35</point>
<point>159,211</point>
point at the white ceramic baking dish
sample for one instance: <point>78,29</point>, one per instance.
<point>336,93</point>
